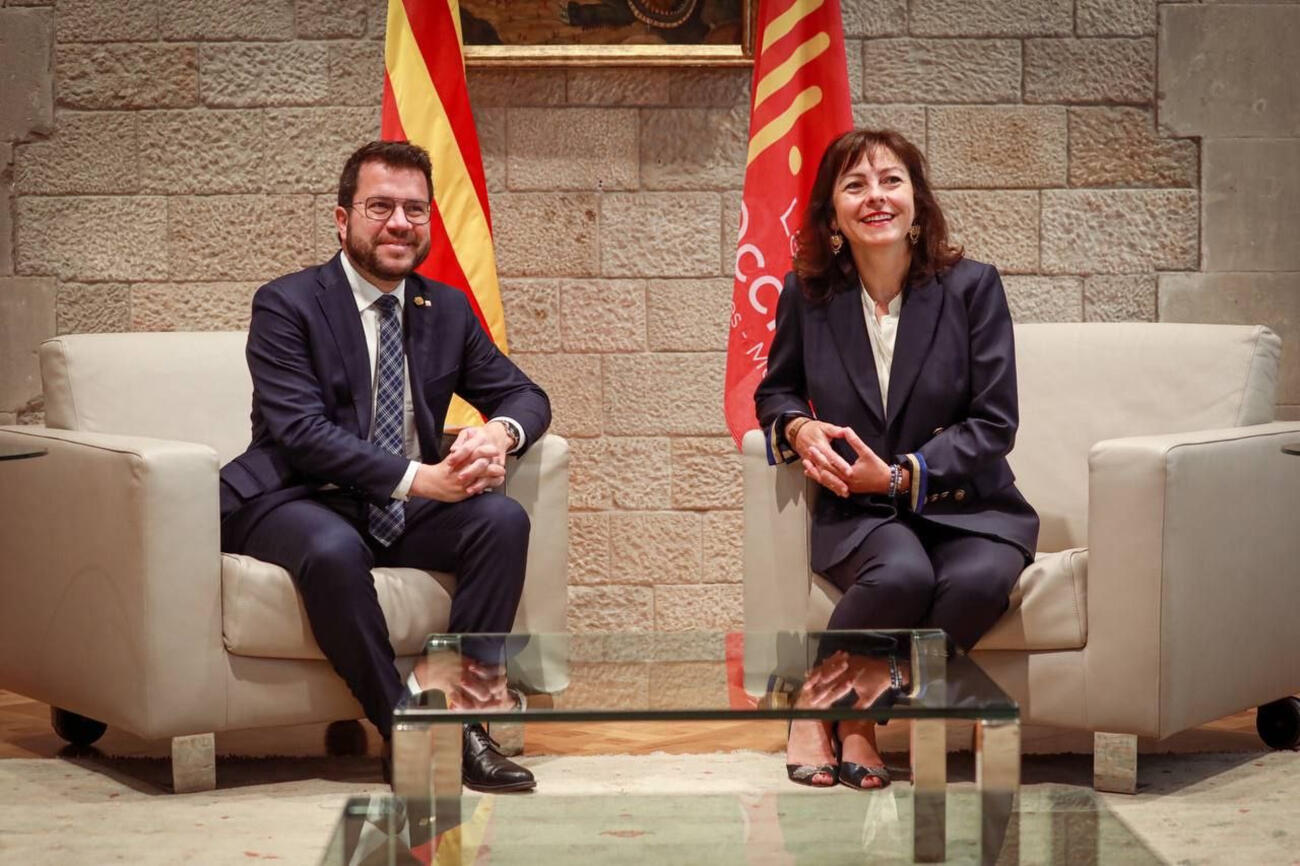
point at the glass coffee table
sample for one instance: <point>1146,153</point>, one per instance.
<point>1056,824</point>
<point>697,676</point>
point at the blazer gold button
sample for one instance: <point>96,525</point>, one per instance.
<point>959,495</point>
<point>418,301</point>
<point>943,495</point>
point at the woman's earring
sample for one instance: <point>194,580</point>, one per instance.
<point>914,234</point>
<point>837,242</point>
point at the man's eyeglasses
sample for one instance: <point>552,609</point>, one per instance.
<point>381,209</point>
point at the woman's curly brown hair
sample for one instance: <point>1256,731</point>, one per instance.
<point>823,273</point>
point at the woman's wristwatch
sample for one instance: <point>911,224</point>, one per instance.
<point>793,427</point>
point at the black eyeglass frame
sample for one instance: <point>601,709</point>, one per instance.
<point>390,205</point>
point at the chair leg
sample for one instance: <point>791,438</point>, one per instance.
<point>194,763</point>
<point>1114,762</point>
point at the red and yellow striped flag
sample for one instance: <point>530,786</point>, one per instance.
<point>426,102</point>
<point>799,105</point>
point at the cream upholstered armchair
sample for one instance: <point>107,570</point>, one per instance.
<point>118,607</point>
<point>1167,580</point>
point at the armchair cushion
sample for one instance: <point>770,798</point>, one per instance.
<point>262,613</point>
<point>1048,608</point>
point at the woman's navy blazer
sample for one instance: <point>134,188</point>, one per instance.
<point>952,405</point>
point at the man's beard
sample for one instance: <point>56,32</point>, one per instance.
<point>367,257</point>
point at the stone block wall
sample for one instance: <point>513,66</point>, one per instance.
<point>1117,159</point>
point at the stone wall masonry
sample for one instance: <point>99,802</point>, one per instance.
<point>1090,70</point>
<point>710,606</point>
<point>191,306</point>
<point>106,20</point>
<point>655,548</point>
<point>659,234</point>
<point>228,233</point>
<point>127,75</point>
<point>1252,204</point>
<point>167,157</point>
<point>625,473</point>
<point>91,237</point>
<point>1115,17</point>
<point>1120,147</point>
<point>571,148</point>
<point>1000,227</point>
<point>334,19</point>
<point>1119,231</point>
<point>27,316</point>
<point>997,146</point>
<point>532,309</point>
<point>1119,299</point>
<point>93,308</point>
<point>26,91</point>
<point>235,75</point>
<point>1230,72</point>
<point>941,70</point>
<point>1044,299</point>
<point>6,210</point>
<point>688,315</point>
<point>588,548</point>
<point>224,20</point>
<point>694,148</point>
<point>992,17</point>
<point>880,18</point>
<point>1242,299</point>
<point>525,227</point>
<point>603,316</point>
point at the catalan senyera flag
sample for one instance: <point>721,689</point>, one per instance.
<point>799,104</point>
<point>426,102</point>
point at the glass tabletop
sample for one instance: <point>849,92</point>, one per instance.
<point>700,675</point>
<point>1051,824</point>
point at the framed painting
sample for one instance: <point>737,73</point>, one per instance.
<point>608,32</point>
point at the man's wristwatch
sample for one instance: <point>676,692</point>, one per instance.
<point>511,433</point>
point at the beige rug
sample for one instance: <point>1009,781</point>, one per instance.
<point>1192,809</point>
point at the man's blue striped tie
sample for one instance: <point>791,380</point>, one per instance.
<point>388,521</point>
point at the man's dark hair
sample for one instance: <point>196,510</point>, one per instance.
<point>394,154</point>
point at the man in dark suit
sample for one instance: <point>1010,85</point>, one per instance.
<point>354,363</point>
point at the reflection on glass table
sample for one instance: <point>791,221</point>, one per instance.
<point>1052,824</point>
<point>697,676</point>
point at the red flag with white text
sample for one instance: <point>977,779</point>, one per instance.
<point>799,105</point>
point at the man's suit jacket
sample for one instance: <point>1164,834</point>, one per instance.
<point>952,404</point>
<point>312,391</point>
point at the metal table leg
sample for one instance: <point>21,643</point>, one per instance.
<point>929,790</point>
<point>427,776</point>
<point>997,775</point>
<point>447,751</point>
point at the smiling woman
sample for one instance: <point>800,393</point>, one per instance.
<point>892,379</point>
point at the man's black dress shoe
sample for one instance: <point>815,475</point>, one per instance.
<point>484,768</point>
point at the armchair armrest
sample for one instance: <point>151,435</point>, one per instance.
<point>539,481</point>
<point>112,579</point>
<point>777,579</point>
<point>1192,577</point>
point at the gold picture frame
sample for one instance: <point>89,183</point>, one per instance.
<point>479,26</point>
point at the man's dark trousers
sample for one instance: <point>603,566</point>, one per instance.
<point>324,543</point>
